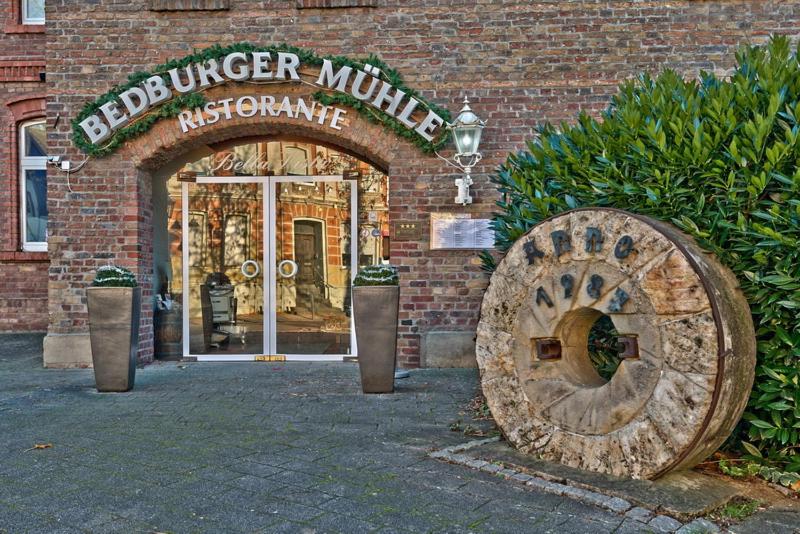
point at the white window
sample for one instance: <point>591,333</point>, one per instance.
<point>295,161</point>
<point>32,11</point>
<point>33,180</point>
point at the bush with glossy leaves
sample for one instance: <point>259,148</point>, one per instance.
<point>720,159</point>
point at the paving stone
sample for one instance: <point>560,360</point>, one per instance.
<point>247,467</point>
<point>631,526</point>
<point>545,485</point>
<point>491,468</point>
<point>699,526</point>
<point>332,522</point>
<point>781,519</point>
<point>476,464</point>
<point>215,474</point>
<point>257,484</point>
<point>642,515</point>
<point>615,504</point>
<point>522,477</point>
<point>664,523</point>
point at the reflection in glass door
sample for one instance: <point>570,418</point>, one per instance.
<point>314,256</point>
<point>268,236</point>
<point>223,266</point>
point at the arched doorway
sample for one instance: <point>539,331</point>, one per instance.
<point>261,248</point>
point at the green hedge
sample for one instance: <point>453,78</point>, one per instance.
<point>719,158</point>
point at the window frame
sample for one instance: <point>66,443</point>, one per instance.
<point>23,9</point>
<point>28,163</point>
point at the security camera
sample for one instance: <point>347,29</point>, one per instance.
<point>54,160</point>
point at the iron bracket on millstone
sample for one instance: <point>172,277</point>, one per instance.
<point>548,349</point>
<point>628,347</point>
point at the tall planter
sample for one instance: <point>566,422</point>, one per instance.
<point>375,310</point>
<point>114,333</point>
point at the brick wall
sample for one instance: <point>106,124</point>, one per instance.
<point>519,62</point>
<point>23,275</point>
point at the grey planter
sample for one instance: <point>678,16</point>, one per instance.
<point>114,334</point>
<point>375,311</point>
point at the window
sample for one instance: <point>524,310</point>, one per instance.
<point>295,161</point>
<point>32,11</point>
<point>33,180</point>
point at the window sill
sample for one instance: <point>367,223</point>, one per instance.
<point>12,27</point>
<point>21,256</point>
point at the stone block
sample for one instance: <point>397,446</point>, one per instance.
<point>67,351</point>
<point>448,349</point>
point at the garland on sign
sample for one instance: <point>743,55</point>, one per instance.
<point>172,108</point>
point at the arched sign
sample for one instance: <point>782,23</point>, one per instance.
<point>175,89</point>
<point>686,341</point>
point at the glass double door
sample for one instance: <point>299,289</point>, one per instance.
<point>267,267</point>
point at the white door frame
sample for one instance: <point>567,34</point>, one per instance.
<point>268,271</point>
<point>273,281</point>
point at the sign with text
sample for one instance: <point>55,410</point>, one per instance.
<point>406,231</point>
<point>366,84</point>
<point>460,231</point>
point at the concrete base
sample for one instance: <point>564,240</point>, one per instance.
<point>67,351</point>
<point>448,349</point>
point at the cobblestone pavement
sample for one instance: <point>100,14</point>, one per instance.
<point>261,447</point>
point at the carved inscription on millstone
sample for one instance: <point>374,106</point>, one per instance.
<point>687,345</point>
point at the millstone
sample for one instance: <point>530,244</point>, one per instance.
<point>688,339</point>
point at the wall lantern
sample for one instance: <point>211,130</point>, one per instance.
<point>466,129</point>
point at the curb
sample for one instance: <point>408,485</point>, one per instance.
<point>649,518</point>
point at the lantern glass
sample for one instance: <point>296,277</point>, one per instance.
<point>467,130</point>
<point>467,138</point>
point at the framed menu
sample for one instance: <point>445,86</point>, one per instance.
<point>460,231</point>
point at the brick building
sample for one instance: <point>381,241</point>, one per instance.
<point>518,62</point>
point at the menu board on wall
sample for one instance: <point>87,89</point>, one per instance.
<point>460,231</point>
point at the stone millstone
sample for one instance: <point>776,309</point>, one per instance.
<point>679,392</point>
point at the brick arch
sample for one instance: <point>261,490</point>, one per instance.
<point>165,142</point>
<point>29,106</point>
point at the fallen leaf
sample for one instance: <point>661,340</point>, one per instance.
<point>38,446</point>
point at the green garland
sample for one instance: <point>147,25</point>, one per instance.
<point>114,276</point>
<point>188,101</point>
<point>377,275</point>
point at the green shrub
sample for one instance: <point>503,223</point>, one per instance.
<point>113,276</point>
<point>719,158</point>
<point>377,275</point>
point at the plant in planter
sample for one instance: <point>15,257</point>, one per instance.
<point>114,302</point>
<point>376,301</point>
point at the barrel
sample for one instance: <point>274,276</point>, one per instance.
<point>168,335</point>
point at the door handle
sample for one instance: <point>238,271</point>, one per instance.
<point>287,269</point>
<point>251,269</point>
